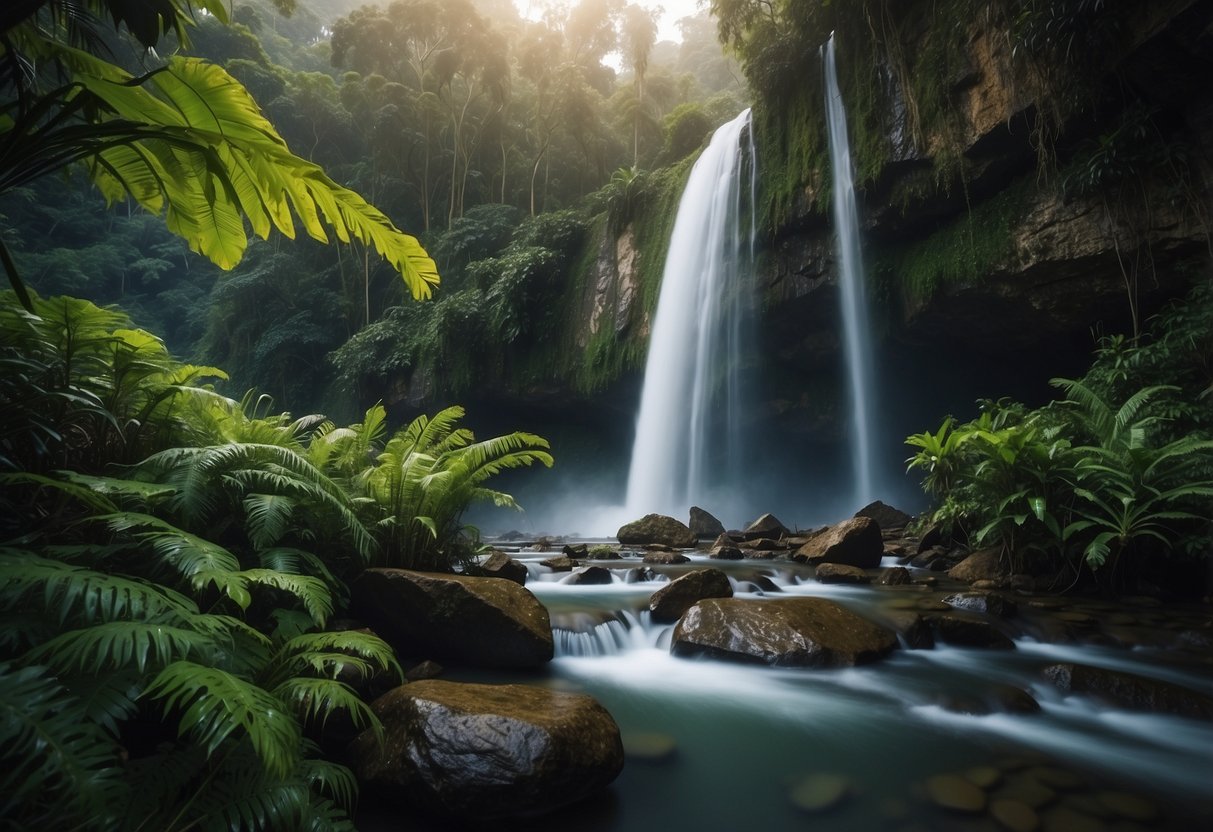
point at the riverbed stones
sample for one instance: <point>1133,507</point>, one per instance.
<point>656,528</point>
<point>559,564</point>
<point>1131,691</point>
<point>962,631</point>
<point>703,525</point>
<point>649,747</point>
<point>985,564</point>
<point>1014,815</point>
<point>590,576</point>
<point>855,542</point>
<point>816,793</point>
<point>729,552</point>
<point>895,576</point>
<point>666,558</point>
<point>767,525</point>
<point>669,603</point>
<point>487,752</point>
<point>482,622</point>
<point>794,632</point>
<point>887,517</point>
<point>840,573</point>
<point>913,630</point>
<point>575,550</point>
<point>953,792</point>
<point>987,603</point>
<point>1130,806</point>
<point>501,565</point>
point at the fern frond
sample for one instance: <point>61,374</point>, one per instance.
<point>267,517</point>
<point>312,592</point>
<point>316,699</point>
<point>117,645</point>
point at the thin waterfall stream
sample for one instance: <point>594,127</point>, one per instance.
<point>856,337</point>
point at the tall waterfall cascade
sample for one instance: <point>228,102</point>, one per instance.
<point>857,345</point>
<point>688,436</point>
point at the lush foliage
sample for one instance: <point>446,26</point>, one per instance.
<point>1119,471</point>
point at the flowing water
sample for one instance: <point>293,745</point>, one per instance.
<point>855,327</point>
<point>745,736</point>
<point>688,437</point>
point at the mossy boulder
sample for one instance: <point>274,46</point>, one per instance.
<point>656,528</point>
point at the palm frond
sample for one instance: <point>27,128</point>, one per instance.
<point>267,517</point>
<point>118,645</point>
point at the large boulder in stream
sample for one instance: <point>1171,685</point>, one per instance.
<point>482,622</point>
<point>767,525</point>
<point>487,752</point>
<point>855,542</point>
<point>703,525</point>
<point>1131,691</point>
<point>887,517</point>
<point>982,565</point>
<point>672,600</point>
<point>501,565</point>
<point>793,632</point>
<point>656,528</point>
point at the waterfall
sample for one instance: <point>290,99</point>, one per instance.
<point>687,431</point>
<point>857,346</point>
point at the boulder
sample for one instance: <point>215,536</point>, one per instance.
<point>840,573</point>
<point>895,576</point>
<point>639,575</point>
<point>559,564</point>
<point>672,600</point>
<point>988,603</point>
<point>590,575</point>
<point>794,632</point>
<point>911,627</point>
<point>703,525</point>
<point>767,525</point>
<point>962,631</point>
<point>1131,691</point>
<point>501,565</point>
<point>933,536</point>
<point>763,544</point>
<point>854,542</point>
<point>483,622</point>
<point>885,516</point>
<point>487,752</point>
<point>982,565</point>
<point>666,558</point>
<point>726,553</point>
<point>725,539</point>
<point>575,550</point>
<point>656,528</point>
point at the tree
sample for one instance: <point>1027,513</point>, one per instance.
<point>639,33</point>
<point>185,139</point>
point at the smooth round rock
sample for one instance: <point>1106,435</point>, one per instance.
<point>983,777</point>
<point>956,793</point>
<point>1065,819</point>
<point>649,748</point>
<point>1014,815</point>
<point>819,792</point>
<point>1028,790</point>
<point>1057,778</point>
<point>1131,806</point>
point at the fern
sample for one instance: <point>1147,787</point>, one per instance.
<point>117,645</point>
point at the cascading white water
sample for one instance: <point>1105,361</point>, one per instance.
<point>857,343</point>
<point>687,428</point>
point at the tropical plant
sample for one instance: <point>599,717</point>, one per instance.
<point>427,475</point>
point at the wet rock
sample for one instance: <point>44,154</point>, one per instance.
<point>886,516</point>
<point>767,525</point>
<point>969,632</point>
<point>1029,791</point>
<point>839,573</point>
<point>649,748</point>
<point>672,600</point>
<point>761,554</point>
<point>895,576</point>
<point>800,632</point>
<point>483,622</point>
<point>983,777</point>
<point>659,547</point>
<point>931,538</point>
<point>726,553</point>
<point>425,670</point>
<point>987,603</point>
<point>666,558</point>
<point>560,564</point>
<point>1014,815</point>
<point>928,581</point>
<point>639,575</point>
<point>1065,819</point>
<point>1130,806</point>
<point>953,792</point>
<point>703,525</point>
<point>1059,779</point>
<point>1131,691</point>
<point>763,583</point>
<point>763,544</point>
<point>725,539</point>
<point>854,542</point>
<point>985,564</point>
<point>1012,700</point>
<point>485,752</point>
<point>604,553</point>
<point>928,559</point>
<point>591,575</point>
<point>501,565</point>
<point>911,627</point>
<point>819,792</point>
<point>575,550</point>
<point>656,528</point>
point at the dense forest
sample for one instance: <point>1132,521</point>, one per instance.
<point>269,262</point>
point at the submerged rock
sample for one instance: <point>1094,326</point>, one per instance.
<point>895,576</point>
<point>672,600</point>
<point>666,558</point>
<point>969,632</point>
<point>887,517</point>
<point>703,525</point>
<point>483,622</point>
<point>820,792</point>
<point>951,791</point>
<point>854,542</point>
<point>657,528</point>
<point>649,748</point>
<point>840,573</point>
<point>501,565</point>
<point>1131,691</point>
<point>484,752</point>
<point>795,632</point>
<point>987,603</point>
<point>911,627</point>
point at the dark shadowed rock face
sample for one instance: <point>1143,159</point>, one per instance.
<point>672,600</point>
<point>704,525</point>
<point>484,752</point>
<point>796,632</point>
<point>963,631</point>
<point>482,622</point>
<point>885,516</point>
<point>656,528</point>
<point>1131,691</point>
<point>501,565</point>
<point>854,542</point>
